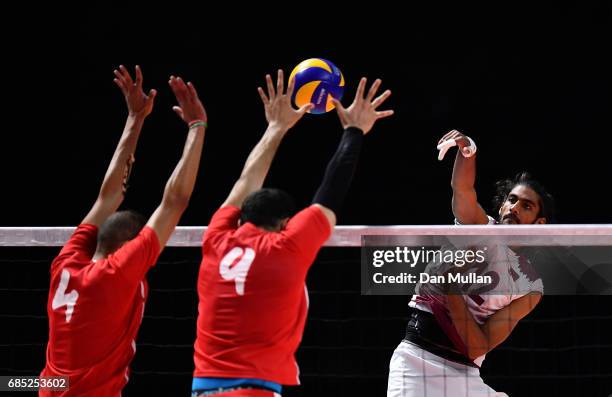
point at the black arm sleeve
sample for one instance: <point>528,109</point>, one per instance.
<point>340,170</point>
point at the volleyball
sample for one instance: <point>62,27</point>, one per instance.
<point>317,81</point>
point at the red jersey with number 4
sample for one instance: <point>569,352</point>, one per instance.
<point>95,309</point>
<point>253,297</point>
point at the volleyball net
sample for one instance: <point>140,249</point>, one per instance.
<point>564,347</point>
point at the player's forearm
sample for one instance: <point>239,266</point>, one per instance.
<point>257,165</point>
<point>340,170</point>
<point>464,173</point>
<point>471,333</point>
<point>260,159</point>
<point>465,202</point>
<point>180,185</point>
<point>112,186</point>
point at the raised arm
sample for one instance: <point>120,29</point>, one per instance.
<point>180,185</point>
<point>465,204</point>
<point>281,117</point>
<point>115,181</point>
<point>357,120</point>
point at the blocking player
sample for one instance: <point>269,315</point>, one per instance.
<point>256,254</point>
<point>98,287</point>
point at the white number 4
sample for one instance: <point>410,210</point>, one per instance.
<point>62,299</point>
<point>239,271</point>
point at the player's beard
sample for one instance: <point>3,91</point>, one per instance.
<point>510,219</point>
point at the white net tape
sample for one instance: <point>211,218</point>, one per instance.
<point>351,236</point>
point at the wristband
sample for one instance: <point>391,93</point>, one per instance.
<point>198,123</point>
<point>469,151</point>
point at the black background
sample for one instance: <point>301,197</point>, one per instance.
<point>530,84</point>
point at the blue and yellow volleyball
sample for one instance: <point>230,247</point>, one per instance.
<point>317,80</point>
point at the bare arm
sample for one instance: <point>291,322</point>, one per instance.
<point>281,117</point>
<point>481,339</point>
<point>357,120</point>
<point>115,181</point>
<point>182,181</point>
<point>465,204</point>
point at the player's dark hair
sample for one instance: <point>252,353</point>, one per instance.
<point>120,227</point>
<point>267,207</point>
<point>504,187</point>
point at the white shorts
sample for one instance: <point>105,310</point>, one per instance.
<point>414,372</point>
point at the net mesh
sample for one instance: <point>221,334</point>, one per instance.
<point>564,347</point>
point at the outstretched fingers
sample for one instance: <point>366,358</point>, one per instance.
<point>178,111</point>
<point>291,87</point>
<point>340,110</point>
<point>120,85</point>
<point>151,96</point>
<point>271,93</point>
<point>305,108</point>
<point>337,104</point>
<point>381,98</point>
<point>138,77</point>
<point>373,90</point>
<point>120,81</point>
<point>178,88</point>
<point>126,76</point>
<point>383,114</point>
<point>360,90</point>
<point>263,96</point>
<point>193,94</point>
<point>449,135</point>
<point>280,83</point>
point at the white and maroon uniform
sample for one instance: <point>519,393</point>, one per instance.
<point>417,372</point>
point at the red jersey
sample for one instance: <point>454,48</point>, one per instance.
<point>95,309</point>
<point>253,297</point>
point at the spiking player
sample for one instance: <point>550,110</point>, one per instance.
<point>452,327</point>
